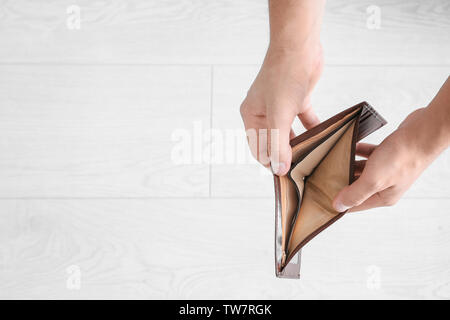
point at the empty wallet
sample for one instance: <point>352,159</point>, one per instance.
<point>323,160</point>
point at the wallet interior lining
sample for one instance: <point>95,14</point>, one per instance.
<point>321,186</point>
<point>309,155</point>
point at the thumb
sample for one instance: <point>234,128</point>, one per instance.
<point>354,194</point>
<point>279,148</point>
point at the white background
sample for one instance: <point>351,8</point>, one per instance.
<point>87,182</point>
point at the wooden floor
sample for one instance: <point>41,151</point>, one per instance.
<point>88,181</point>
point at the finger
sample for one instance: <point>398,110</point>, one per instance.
<point>279,148</point>
<point>372,202</point>
<point>364,149</point>
<point>383,198</point>
<point>263,141</point>
<point>356,193</point>
<point>359,167</point>
<point>291,134</point>
<point>308,118</point>
<point>256,131</point>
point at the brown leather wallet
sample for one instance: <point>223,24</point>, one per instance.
<point>323,160</point>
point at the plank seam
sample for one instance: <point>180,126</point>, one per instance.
<point>96,64</point>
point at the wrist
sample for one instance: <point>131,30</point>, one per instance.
<point>308,55</point>
<point>295,25</point>
<point>429,136</point>
<point>437,121</point>
<point>294,48</point>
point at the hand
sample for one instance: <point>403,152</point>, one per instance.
<point>280,92</point>
<point>393,166</point>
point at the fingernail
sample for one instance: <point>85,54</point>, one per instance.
<point>340,207</point>
<point>277,167</point>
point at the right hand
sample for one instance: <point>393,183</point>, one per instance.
<point>280,92</point>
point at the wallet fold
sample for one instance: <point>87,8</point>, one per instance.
<point>323,160</point>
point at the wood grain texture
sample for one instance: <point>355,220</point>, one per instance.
<point>87,119</point>
<point>99,131</point>
<point>393,91</point>
<point>216,249</point>
<point>215,32</point>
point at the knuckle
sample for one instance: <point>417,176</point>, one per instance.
<point>373,183</point>
<point>370,184</point>
<point>352,202</point>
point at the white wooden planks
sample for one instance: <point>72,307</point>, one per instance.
<point>216,32</point>
<point>87,178</point>
<point>99,131</point>
<point>216,249</point>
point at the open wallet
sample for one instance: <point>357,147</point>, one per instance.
<point>323,160</point>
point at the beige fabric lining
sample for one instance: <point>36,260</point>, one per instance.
<point>289,198</point>
<point>327,179</point>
